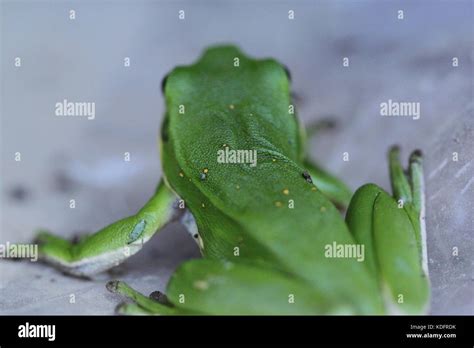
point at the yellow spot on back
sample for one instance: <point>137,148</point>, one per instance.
<point>231,106</point>
<point>274,160</point>
<point>205,171</point>
<point>201,285</point>
<point>181,174</point>
<point>278,204</point>
<point>314,188</point>
<point>203,205</point>
<point>286,192</point>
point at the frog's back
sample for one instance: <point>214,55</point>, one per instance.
<point>223,104</point>
<point>268,213</point>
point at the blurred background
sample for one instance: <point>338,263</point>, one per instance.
<point>82,59</point>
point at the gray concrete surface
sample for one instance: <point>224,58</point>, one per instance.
<point>82,60</point>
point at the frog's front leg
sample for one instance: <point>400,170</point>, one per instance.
<point>112,244</point>
<point>142,305</point>
<point>391,230</point>
<point>332,187</point>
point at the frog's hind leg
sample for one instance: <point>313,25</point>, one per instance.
<point>217,287</point>
<point>389,229</point>
<point>408,189</point>
<point>208,286</point>
<point>408,192</point>
<point>112,244</point>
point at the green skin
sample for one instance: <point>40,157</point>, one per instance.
<point>263,230</point>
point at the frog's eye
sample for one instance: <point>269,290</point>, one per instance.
<point>287,71</point>
<point>163,84</point>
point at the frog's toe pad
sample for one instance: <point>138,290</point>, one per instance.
<point>159,297</point>
<point>112,286</point>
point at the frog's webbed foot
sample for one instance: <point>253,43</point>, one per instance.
<point>157,303</point>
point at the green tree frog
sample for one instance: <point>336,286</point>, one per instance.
<point>265,218</point>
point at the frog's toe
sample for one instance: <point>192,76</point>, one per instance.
<point>159,297</point>
<point>112,286</point>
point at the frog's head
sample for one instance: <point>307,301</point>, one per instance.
<point>224,71</point>
<point>226,97</point>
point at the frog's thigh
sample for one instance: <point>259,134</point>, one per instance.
<point>112,244</point>
<point>398,257</point>
<point>213,286</point>
<point>391,254</point>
